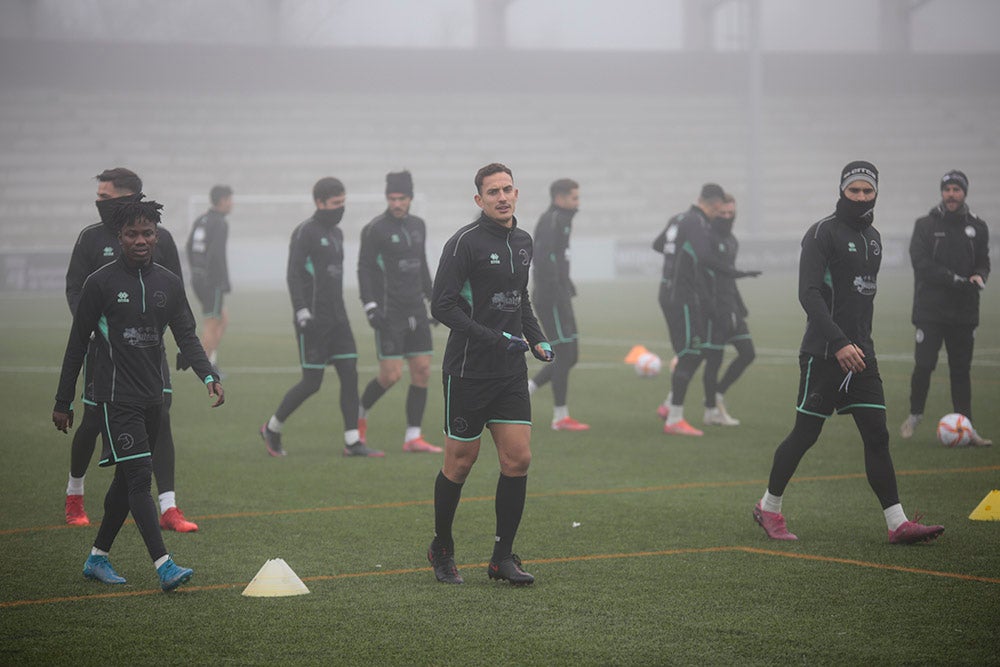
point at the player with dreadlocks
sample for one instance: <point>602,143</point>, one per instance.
<point>126,306</point>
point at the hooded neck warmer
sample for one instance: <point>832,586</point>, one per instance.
<point>329,217</point>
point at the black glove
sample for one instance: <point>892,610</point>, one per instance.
<point>376,318</point>
<point>514,344</point>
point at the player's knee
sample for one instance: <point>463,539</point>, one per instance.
<point>389,376</point>
<point>138,475</point>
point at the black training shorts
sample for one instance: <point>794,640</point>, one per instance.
<point>129,431</point>
<point>825,388</point>
<point>471,404</point>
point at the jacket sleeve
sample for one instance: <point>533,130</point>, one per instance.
<point>85,318</point>
<point>182,326</point>
<point>425,274</point>
<point>922,258</point>
<point>169,257</point>
<point>452,274</point>
<point>76,273</point>
<point>982,251</point>
<point>371,280</point>
<point>529,323</point>
<point>813,262</point>
<point>560,255</point>
<point>216,256</point>
<point>298,275</point>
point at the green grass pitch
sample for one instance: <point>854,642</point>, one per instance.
<point>643,545</point>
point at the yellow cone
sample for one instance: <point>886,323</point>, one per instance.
<point>634,354</point>
<point>989,509</point>
<point>275,579</point>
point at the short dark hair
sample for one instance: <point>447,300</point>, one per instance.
<point>218,193</point>
<point>133,211</point>
<point>326,188</point>
<point>489,170</point>
<point>121,178</point>
<point>712,192</point>
<point>562,187</point>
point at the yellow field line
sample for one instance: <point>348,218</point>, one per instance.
<point>550,494</point>
<point>540,561</point>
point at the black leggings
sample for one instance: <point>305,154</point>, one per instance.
<point>312,379</point>
<point>874,434</point>
<point>713,363</point>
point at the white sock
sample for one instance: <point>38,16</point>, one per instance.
<point>167,500</point>
<point>718,400</point>
<point>770,503</point>
<point>212,358</point>
<point>531,387</point>
<point>274,425</point>
<point>668,400</point>
<point>97,552</point>
<point>560,412</point>
<point>894,516</point>
<point>74,487</point>
<point>352,436</point>
<point>676,414</point>
<point>160,561</point>
<point>412,433</point>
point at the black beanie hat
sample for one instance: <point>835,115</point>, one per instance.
<point>399,182</point>
<point>955,177</point>
<point>859,170</point>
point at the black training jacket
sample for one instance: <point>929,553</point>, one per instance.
<point>945,245</point>
<point>480,291</point>
<point>98,244</point>
<point>206,251</point>
<point>128,310</point>
<point>392,265</point>
<point>838,268</point>
<point>550,265</point>
<point>316,271</point>
<point>665,243</point>
<point>727,295</point>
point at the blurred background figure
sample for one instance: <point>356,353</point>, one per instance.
<point>206,254</point>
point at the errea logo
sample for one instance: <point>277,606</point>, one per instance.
<point>395,238</point>
<point>494,258</point>
<point>109,251</point>
<point>122,297</point>
<point>851,247</point>
<point>324,241</point>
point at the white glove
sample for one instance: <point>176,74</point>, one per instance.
<point>303,317</point>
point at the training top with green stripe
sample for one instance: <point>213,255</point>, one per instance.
<point>128,310</point>
<point>838,270</point>
<point>316,271</point>
<point>480,292</point>
<point>392,265</point>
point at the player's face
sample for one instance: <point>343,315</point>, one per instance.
<point>138,239</point>
<point>225,205</point>
<point>568,200</point>
<point>498,198</point>
<point>332,202</point>
<point>728,210</point>
<point>859,191</point>
<point>952,197</point>
<point>399,204</point>
<point>107,190</point>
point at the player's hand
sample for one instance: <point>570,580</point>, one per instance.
<point>215,391</point>
<point>303,316</point>
<point>62,420</point>
<point>543,352</point>
<point>514,344</point>
<point>376,318</point>
<point>978,281</point>
<point>851,358</point>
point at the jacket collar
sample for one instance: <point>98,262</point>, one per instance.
<point>493,227</point>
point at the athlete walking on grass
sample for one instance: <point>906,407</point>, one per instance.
<point>480,293</point>
<point>123,310</point>
<point>553,298</point>
<point>838,269</point>
<point>394,281</point>
<point>323,332</point>
<point>96,246</point>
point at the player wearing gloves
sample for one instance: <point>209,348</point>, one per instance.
<point>480,294</point>
<point>122,313</point>
<point>323,332</point>
<point>394,280</point>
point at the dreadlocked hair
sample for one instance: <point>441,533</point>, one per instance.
<point>130,212</point>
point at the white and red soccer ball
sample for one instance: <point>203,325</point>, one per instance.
<point>648,365</point>
<point>954,430</point>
